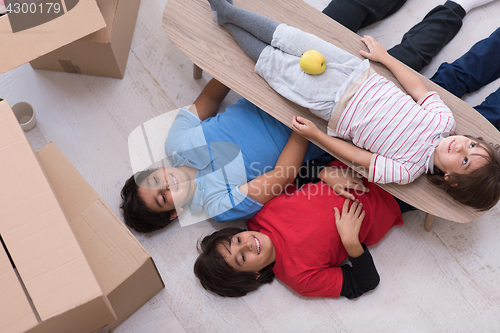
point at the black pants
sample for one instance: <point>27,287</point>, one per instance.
<point>420,44</point>
<point>357,14</point>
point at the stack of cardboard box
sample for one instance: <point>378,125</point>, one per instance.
<point>74,36</point>
<point>67,263</point>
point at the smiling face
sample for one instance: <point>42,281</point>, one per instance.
<point>248,251</point>
<point>166,189</point>
<point>459,154</point>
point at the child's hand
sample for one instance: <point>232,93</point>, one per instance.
<point>304,127</point>
<point>341,180</point>
<point>376,51</point>
<point>349,223</point>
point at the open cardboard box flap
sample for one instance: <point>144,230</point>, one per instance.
<point>50,263</point>
<point>123,268</point>
<point>82,19</point>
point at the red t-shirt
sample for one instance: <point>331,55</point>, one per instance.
<point>308,248</point>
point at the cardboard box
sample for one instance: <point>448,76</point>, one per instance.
<point>99,278</point>
<point>47,285</point>
<point>103,53</point>
<point>123,268</point>
<point>27,36</point>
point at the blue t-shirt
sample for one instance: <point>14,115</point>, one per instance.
<point>229,150</point>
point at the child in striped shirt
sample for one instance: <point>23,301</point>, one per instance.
<point>394,137</point>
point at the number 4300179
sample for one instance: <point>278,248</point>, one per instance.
<point>33,8</point>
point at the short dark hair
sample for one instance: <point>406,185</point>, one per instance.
<point>217,276</point>
<point>135,212</point>
<point>480,188</point>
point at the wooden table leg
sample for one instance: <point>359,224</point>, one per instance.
<point>429,220</point>
<point>197,72</point>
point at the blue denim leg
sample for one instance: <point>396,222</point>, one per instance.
<point>490,108</point>
<point>475,69</point>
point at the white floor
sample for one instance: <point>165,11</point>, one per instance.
<point>442,281</point>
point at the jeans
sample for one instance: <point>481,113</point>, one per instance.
<point>475,69</point>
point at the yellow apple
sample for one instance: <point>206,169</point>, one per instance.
<point>312,62</point>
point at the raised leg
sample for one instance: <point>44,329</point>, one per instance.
<point>197,72</point>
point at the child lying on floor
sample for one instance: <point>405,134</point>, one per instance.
<point>393,137</point>
<point>302,238</point>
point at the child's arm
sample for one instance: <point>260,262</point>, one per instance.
<point>362,276</point>
<point>410,82</point>
<point>208,102</point>
<point>337,146</point>
<point>267,186</point>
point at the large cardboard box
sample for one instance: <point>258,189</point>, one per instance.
<point>103,53</point>
<point>44,28</point>
<point>46,284</point>
<point>123,268</point>
<point>61,283</point>
<point>99,34</point>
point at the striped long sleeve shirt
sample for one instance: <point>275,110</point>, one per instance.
<point>400,132</point>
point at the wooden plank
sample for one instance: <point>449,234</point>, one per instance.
<point>210,46</point>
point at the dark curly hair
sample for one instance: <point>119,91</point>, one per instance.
<point>135,212</point>
<point>480,188</point>
<point>217,276</point>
